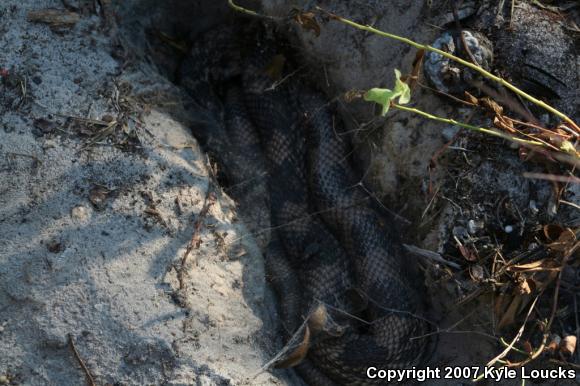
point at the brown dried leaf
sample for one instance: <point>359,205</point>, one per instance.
<point>307,20</point>
<point>471,99</point>
<point>491,106</point>
<point>564,242</point>
<point>467,253</point>
<point>568,345</point>
<point>552,232</point>
<point>416,72</point>
<point>293,358</point>
<point>55,18</point>
<point>501,122</point>
<point>525,286</point>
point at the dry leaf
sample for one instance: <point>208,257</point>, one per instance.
<point>467,253</point>
<point>491,106</point>
<point>552,232</point>
<point>501,122</point>
<point>564,242</point>
<point>471,99</point>
<point>568,345</point>
<point>307,20</point>
<point>525,286</point>
<point>297,355</point>
<point>417,65</point>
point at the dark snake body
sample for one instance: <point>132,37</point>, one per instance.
<point>330,245</point>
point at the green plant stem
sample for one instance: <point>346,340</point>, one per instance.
<point>241,9</point>
<point>467,126</point>
<point>459,60</point>
<point>249,12</point>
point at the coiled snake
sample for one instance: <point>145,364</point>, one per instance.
<point>333,258</point>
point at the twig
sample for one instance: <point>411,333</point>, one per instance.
<point>506,344</point>
<point>467,126</point>
<point>504,99</point>
<point>552,177</point>
<point>293,344</point>
<point>576,206</point>
<point>540,349</point>
<point>449,330</point>
<point>195,241</point>
<point>90,379</point>
<point>249,12</point>
<point>276,84</point>
<point>516,338</point>
<point>431,255</point>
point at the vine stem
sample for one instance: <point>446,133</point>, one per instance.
<point>474,67</point>
<point>467,126</point>
<point>249,12</point>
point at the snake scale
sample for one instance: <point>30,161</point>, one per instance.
<point>345,296</point>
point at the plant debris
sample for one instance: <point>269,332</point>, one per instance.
<point>55,18</point>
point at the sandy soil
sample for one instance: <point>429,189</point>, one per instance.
<point>95,219</point>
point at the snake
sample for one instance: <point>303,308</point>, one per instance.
<point>347,298</point>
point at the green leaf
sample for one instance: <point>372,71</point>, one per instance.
<point>384,96</point>
<point>402,89</point>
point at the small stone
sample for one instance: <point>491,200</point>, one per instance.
<point>4,380</point>
<point>49,144</point>
<point>508,229</point>
<point>80,213</point>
